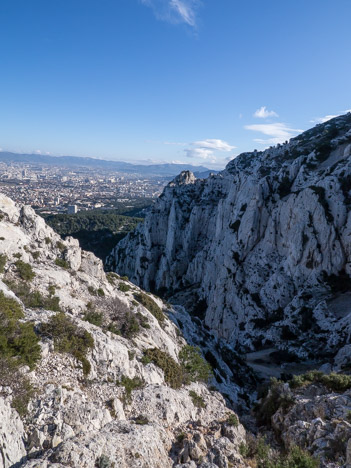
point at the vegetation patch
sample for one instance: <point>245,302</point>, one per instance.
<point>333,381</point>
<point>33,299</point>
<point>232,420</point>
<point>130,385</point>
<point>258,453</point>
<point>124,287</point>
<point>3,260</point>
<point>94,317</point>
<point>17,340</point>
<point>173,372</point>
<point>69,338</point>
<point>151,305</point>
<point>197,399</point>
<point>195,367</point>
<point>62,263</point>
<point>21,387</point>
<point>276,397</point>
<point>24,270</point>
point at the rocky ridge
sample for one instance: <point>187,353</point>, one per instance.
<point>115,405</point>
<point>259,254</point>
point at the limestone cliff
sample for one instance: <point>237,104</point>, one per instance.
<point>261,252</point>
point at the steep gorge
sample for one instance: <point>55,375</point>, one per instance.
<point>261,252</point>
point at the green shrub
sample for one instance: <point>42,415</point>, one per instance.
<point>3,260</point>
<point>47,240</point>
<point>96,292</point>
<point>141,420</point>
<point>60,246</point>
<point>124,278</point>
<point>24,270</point>
<point>96,318</point>
<point>333,381</point>
<point>195,367</point>
<point>124,287</point>
<point>17,339</point>
<point>62,263</point>
<point>232,420</point>
<point>130,385</point>
<point>35,255</point>
<point>151,305</point>
<point>21,387</point>
<point>130,326</point>
<point>197,400</point>
<point>173,372</point>
<point>276,398</point>
<point>33,299</point>
<point>69,338</point>
<point>111,277</point>
<point>103,462</point>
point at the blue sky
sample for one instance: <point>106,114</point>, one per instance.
<point>169,80</point>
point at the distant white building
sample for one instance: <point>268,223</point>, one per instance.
<point>72,209</point>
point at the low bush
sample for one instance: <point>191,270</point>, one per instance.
<point>60,246</point>
<point>173,372</point>
<point>151,305</point>
<point>195,367</point>
<point>24,270</point>
<point>17,339</point>
<point>275,398</point>
<point>197,400</point>
<point>94,317</point>
<point>141,420</point>
<point>21,387</point>
<point>33,299</point>
<point>62,263</point>
<point>69,338</point>
<point>3,260</point>
<point>259,454</point>
<point>124,287</point>
<point>232,420</point>
<point>130,385</point>
<point>333,381</point>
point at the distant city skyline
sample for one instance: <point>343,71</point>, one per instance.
<point>161,81</point>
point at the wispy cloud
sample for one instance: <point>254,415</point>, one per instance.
<point>329,117</point>
<point>175,11</point>
<point>279,132</point>
<point>264,113</point>
<point>206,149</point>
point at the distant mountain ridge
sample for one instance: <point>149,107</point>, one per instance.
<point>164,170</point>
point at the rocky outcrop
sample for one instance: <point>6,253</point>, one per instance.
<point>317,418</point>
<point>261,252</point>
<point>114,406</point>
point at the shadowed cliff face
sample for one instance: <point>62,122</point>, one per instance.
<point>260,252</point>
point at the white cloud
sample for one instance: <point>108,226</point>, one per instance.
<point>329,117</point>
<point>214,144</point>
<point>264,113</point>
<point>175,11</point>
<point>206,149</point>
<point>279,132</point>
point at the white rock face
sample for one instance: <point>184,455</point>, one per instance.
<point>91,420</point>
<point>12,435</point>
<point>253,249</point>
<point>318,419</point>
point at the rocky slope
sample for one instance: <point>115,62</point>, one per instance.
<point>92,370</point>
<point>260,253</point>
